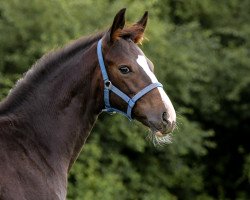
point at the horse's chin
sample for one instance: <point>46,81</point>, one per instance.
<point>158,138</point>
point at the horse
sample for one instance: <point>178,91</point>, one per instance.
<point>48,115</point>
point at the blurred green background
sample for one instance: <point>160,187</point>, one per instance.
<point>201,52</point>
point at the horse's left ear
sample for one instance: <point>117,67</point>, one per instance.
<point>143,21</point>
<point>139,28</point>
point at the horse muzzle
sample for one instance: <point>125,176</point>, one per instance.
<point>161,125</point>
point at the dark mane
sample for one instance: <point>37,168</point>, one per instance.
<point>48,63</point>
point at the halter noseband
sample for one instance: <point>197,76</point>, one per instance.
<point>108,86</point>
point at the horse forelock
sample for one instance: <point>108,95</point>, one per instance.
<point>134,32</point>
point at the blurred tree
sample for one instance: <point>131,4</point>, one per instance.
<point>211,41</point>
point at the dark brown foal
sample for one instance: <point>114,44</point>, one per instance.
<point>47,117</point>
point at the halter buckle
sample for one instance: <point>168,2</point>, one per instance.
<point>108,84</point>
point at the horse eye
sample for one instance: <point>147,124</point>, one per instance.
<point>124,69</point>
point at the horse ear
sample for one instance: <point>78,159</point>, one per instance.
<point>143,21</point>
<point>118,24</point>
<point>139,28</point>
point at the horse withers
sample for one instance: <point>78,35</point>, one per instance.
<point>48,115</point>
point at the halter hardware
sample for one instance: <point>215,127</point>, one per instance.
<point>108,86</point>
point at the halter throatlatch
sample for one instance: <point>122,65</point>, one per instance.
<point>108,86</point>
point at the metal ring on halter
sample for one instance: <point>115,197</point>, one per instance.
<point>108,84</point>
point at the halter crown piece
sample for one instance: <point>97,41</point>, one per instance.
<point>108,86</point>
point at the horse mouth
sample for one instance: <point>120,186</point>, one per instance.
<point>159,133</point>
<point>159,138</point>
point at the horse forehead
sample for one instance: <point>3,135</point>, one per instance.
<point>127,47</point>
<point>143,63</point>
<point>130,52</point>
<point>141,59</point>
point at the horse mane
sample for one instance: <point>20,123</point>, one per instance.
<point>50,62</point>
<point>46,64</point>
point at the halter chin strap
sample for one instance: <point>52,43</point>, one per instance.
<point>108,86</point>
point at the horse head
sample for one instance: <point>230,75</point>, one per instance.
<point>130,86</point>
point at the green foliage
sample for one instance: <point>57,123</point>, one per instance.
<point>117,162</point>
<point>6,83</point>
<point>200,50</point>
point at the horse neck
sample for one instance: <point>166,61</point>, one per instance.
<point>59,114</point>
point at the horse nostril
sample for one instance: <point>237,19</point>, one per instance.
<point>165,119</point>
<point>168,125</point>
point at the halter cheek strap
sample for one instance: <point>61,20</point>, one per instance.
<point>108,86</point>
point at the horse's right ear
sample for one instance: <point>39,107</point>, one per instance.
<point>118,24</point>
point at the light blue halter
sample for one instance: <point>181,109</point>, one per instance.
<point>108,86</point>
